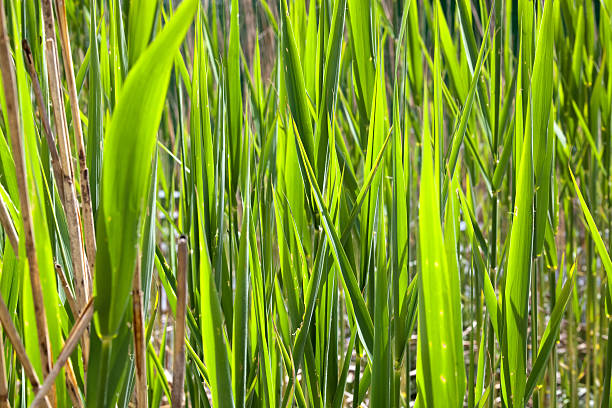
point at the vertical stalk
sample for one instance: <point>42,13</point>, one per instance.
<point>471,375</point>
<point>605,403</point>
<point>357,376</point>
<point>554,369</point>
<point>12,107</point>
<point>88,221</point>
<point>139,340</point>
<point>573,364</point>
<point>495,100</point>
<point>607,377</point>
<point>534,323</point>
<point>489,327</point>
<point>82,284</point>
<point>59,179</point>
<point>44,118</point>
<point>178,362</point>
<point>591,272</point>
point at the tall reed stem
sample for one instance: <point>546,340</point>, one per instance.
<point>12,106</point>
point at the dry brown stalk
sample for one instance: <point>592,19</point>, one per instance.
<point>61,128</point>
<point>88,221</point>
<point>67,291</point>
<point>178,365</point>
<point>12,107</point>
<point>139,340</point>
<point>44,118</point>
<point>72,341</point>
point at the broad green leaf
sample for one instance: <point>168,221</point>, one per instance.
<point>131,138</point>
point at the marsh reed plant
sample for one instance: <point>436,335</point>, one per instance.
<point>305,203</point>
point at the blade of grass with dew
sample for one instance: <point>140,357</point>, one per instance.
<point>451,234</point>
<point>438,378</point>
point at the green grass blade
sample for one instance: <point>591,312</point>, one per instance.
<point>438,377</point>
<point>130,135</point>
<point>515,300</point>
<point>241,298</point>
<point>595,235</point>
<point>234,96</point>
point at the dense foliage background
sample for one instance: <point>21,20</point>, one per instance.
<point>320,203</point>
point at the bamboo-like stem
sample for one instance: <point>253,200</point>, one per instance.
<point>61,127</point>
<point>139,340</point>
<point>72,341</point>
<point>88,221</point>
<point>12,107</point>
<point>4,402</point>
<point>9,228</point>
<point>178,362</point>
<point>44,118</point>
<point>69,297</point>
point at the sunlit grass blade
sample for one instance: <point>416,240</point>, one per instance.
<point>438,378</point>
<point>516,294</point>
